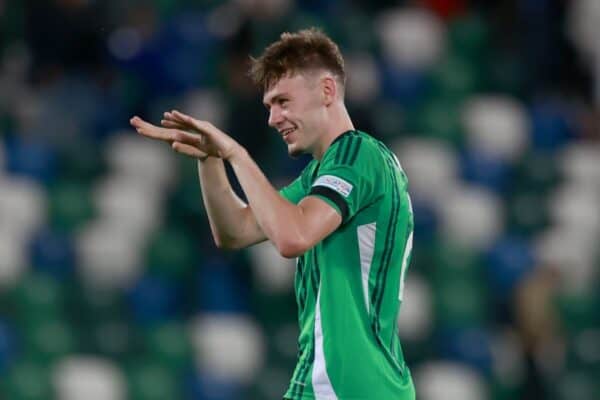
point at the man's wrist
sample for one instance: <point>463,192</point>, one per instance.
<point>237,152</point>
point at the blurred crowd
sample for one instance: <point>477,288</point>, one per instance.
<point>111,287</point>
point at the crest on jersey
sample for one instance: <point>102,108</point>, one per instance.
<point>333,182</point>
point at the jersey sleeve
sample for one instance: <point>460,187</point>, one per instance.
<point>295,191</point>
<point>346,180</point>
<point>299,188</point>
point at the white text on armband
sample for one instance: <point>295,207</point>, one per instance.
<point>333,182</point>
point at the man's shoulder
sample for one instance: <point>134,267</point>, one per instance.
<point>308,171</point>
<point>354,148</point>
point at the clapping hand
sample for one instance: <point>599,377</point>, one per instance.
<point>189,136</point>
<point>167,135</point>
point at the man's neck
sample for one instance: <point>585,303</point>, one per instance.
<point>340,123</point>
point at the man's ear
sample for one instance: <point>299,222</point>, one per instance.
<point>329,89</point>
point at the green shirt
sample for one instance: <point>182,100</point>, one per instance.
<point>349,286</point>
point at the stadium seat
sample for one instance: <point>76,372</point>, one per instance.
<point>171,255</point>
<point>439,118</point>
<point>130,204</point>
<point>27,380</point>
<point>9,345</point>
<point>431,167</point>
<point>229,346</point>
<point>168,343</point>
<point>153,299</point>
<point>202,385</point>
<point>485,169</point>
<point>468,36</point>
<point>35,160</point>
<point>451,380</point>
<point>148,380</point>
<point>84,377</point>
<point>364,78</point>
<point>497,125</point>
<point>69,206</point>
<point>454,79</point>
<point>108,255</point>
<point>52,253</point>
<point>551,125</point>
<point>22,206</point>
<point>220,286</point>
<point>416,318</point>
<point>578,163</point>
<point>272,272</point>
<point>135,158</point>
<point>49,340</point>
<point>508,261</point>
<point>13,259</point>
<point>468,346</point>
<point>411,38</point>
<point>471,216</point>
<point>36,298</point>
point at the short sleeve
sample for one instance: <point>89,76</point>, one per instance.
<point>299,188</point>
<point>294,192</point>
<point>346,177</point>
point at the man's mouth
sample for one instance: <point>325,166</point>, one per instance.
<point>287,131</point>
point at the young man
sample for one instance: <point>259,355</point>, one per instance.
<point>347,218</point>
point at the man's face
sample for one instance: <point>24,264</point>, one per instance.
<point>296,110</point>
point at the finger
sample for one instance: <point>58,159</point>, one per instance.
<point>149,130</point>
<point>176,122</point>
<point>169,116</point>
<point>201,126</point>
<point>188,150</point>
<point>178,118</point>
<point>188,138</point>
<point>172,125</point>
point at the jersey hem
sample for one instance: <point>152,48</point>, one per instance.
<point>311,397</point>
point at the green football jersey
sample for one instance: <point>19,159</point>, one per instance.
<point>349,286</point>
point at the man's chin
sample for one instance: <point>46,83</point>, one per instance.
<point>295,152</point>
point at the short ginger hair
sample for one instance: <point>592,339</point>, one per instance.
<point>305,50</point>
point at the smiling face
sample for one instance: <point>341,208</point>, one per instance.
<point>297,110</point>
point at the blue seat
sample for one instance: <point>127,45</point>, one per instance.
<point>221,287</point>
<point>153,299</point>
<point>508,261</point>
<point>8,345</point>
<point>35,159</point>
<point>204,386</point>
<point>471,346</point>
<point>52,253</point>
<point>486,170</point>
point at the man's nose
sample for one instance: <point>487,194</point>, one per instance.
<point>275,117</point>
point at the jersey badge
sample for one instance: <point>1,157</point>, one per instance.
<point>333,182</point>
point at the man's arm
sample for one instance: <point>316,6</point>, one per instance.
<point>293,229</point>
<point>232,222</point>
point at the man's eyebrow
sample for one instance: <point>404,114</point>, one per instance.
<point>273,100</point>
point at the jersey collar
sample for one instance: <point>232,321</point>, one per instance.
<point>349,132</point>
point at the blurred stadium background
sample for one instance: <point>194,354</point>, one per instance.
<point>111,288</point>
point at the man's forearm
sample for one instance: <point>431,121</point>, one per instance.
<point>278,218</point>
<point>228,215</point>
